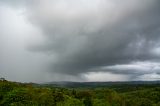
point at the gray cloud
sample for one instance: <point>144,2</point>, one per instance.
<point>83,36</point>
<point>104,34</point>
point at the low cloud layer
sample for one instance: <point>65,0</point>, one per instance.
<point>85,40</point>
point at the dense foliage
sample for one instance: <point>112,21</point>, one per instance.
<point>18,94</point>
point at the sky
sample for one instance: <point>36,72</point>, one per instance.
<point>80,40</point>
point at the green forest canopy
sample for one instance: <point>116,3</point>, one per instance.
<point>20,94</point>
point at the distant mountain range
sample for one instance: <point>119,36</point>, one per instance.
<point>100,84</point>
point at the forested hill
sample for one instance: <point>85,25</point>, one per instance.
<point>117,94</point>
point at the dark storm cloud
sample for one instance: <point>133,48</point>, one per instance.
<point>103,35</point>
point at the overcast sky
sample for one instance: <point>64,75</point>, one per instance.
<point>79,40</point>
